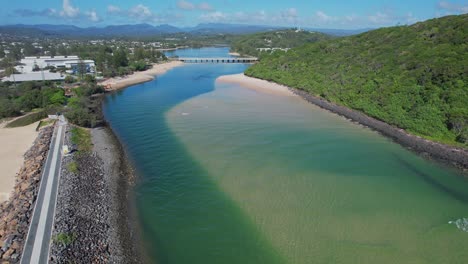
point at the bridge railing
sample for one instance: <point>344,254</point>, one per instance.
<point>218,60</point>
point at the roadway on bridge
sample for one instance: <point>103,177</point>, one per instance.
<point>36,248</point>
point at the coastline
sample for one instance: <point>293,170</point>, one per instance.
<point>449,155</point>
<point>117,83</point>
<point>93,205</point>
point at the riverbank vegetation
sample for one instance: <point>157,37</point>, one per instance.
<point>83,108</point>
<point>413,77</point>
<point>81,137</point>
<point>265,42</point>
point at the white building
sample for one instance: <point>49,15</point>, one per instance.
<point>64,62</point>
<point>35,76</point>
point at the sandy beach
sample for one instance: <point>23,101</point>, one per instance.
<point>256,84</point>
<point>15,142</point>
<point>234,54</point>
<point>139,77</point>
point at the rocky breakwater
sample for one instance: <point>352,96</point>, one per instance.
<point>91,221</point>
<point>15,214</point>
<point>453,156</point>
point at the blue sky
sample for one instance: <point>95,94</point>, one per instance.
<point>344,14</point>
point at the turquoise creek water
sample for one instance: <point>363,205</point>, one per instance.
<point>232,175</point>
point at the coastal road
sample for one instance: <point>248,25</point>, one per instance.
<point>36,248</point>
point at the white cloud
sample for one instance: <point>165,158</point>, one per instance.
<point>216,16</point>
<point>286,17</point>
<point>455,8</point>
<point>185,5</point>
<point>205,6</point>
<point>112,9</point>
<point>140,11</point>
<point>289,14</point>
<point>380,18</point>
<point>93,16</point>
<point>322,17</point>
<point>69,10</point>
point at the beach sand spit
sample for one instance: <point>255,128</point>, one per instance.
<point>256,84</point>
<point>139,77</point>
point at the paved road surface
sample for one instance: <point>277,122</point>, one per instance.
<point>36,248</point>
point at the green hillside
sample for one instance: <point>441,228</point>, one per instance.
<point>414,77</point>
<point>285,39</point>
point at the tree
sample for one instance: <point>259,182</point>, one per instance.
<point>52,51</point>
<point>120,58</point>
<point>139,66</point>
<point>90,79</point>
<point>81,68</point>
<point>139,54</point>
<point>69,79</point>
<point>62,50</point>
<point>15,53</point>
<point>29,50</point>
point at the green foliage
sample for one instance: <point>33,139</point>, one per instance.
<point>73,167</point>
<point>139,66</point>
<point>90,79</point>
<point>81,117</point>
<point>69,79</point>
<point>120,58</point>
<point>27,119</point>
<point>285,39</point>
<point>24,97</point>
<point>81,137</point>
<point>81,108</point>
<point>414,77</point>
<point>64,239</point>
<point>44,123</point>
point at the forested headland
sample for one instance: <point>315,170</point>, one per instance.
<point>263,43</point>
<point>413,77</point>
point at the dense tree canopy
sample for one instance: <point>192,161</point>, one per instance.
<point>24,97</point>
<point>286,39</point>
<point>414,77</point>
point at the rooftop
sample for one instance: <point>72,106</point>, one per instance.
<point>34,76</point>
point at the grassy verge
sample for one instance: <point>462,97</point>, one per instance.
<point>27,119</point>
<point>44,123</point>
<point>81,137</point>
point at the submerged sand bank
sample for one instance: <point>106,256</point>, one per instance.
<point>453,156</point>
<point>256,84</point>
<point>14,143</point>
<point>139,77</point>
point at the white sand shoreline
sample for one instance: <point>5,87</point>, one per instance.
<point>256,84</point>
<point>15,143</point>
<point>117,83</point>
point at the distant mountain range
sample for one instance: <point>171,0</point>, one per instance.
<point>145,30</point>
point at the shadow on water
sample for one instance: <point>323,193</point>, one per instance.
<point>185,216</point>
<point>461,197</point>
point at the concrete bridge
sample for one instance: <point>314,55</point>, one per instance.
<point>219,60</point>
